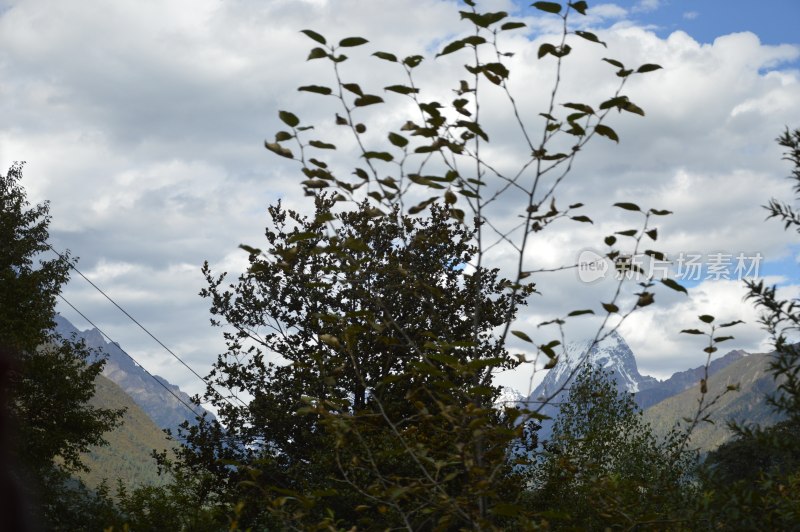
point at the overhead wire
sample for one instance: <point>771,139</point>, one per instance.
<point>134,320</point>
<point>172,393</point>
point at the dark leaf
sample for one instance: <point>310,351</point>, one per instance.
<point>628,206</point>
<point>580,6</point>
<point>582,219</point>
<point>548,7</point>
<point>512,25</point>
<point>321,145</point>
<point>401,89</point>
<point>706,318</point>
<point>521,335</point>
<point>398,140</point>
<point>352,41</point>
<point>649,67</point>
<point>605,131</point>
<point>367,99</point>
<point>317,53</point>
<point>589,36</point>
<point>288,118</point>
<point>382,155</point>
<point>274,147</point>
<point>318,89</point>
<point>580,312</point>
<point>386,56</point>
<point>692,331</point>
<point>314,35</point>
<point>674,285</point>
<point>610,307</point>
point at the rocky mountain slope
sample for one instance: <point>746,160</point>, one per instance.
<point>747,405</point>
<point>161,406</point>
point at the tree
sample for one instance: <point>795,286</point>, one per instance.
<point>374,325</point>
<point>603,467</point>
<point>390,319</point>
<point>50,379</point>
<point>754,479</point>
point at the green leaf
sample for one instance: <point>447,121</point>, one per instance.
<point>730,324</point>
<point>692,331</point>
<point>386,56</point>
<point>280,136</point>
<point>401,89</point>
<point>706,318</point>
<point>660,212</point>
<point>582,107</point>
<point>512,25</point>
<point>648,67</point>
<point>367,99</point>
<point>352,41</point>
<point>548,7</point>
<point>321,145</point>
<point>580,312</point>
<point>318,89</point>
<point>452,47</point>
<point>398,140</point>
<point>582,219</point>
<point>274,147</point>
<point>614,62</point>
<point>610,307</point>
<point>674,285</point>
<point>314,35</point>
<point>413,61</point>
<point>633,108</point>
<point>382,155</point>
<point>723,338</point>
<point>628,206</point>
<point>521,335</point>
<point>580,7</point>
<point>354,88</point>
<point>605,131</point>
<point>655,254</point>
<point>315,183</point>
<point>589,36</point>
<point>251,250</point>
<point>288,118</point>
<point>545,49</point>
<point>317,53</point>
<point>484,20</point>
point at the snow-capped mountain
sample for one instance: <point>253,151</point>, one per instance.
<point>612,354</point>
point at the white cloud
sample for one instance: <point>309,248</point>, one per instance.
<point>690,15</point>
<point>144,122</point>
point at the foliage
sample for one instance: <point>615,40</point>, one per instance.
<point>51,380</point>
<point>604,468</point>
<point>365,339</point>
<point>753,481</point>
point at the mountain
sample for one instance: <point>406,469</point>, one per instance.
<point>611,354</point>
<point>128,453</point>
<point>150,395</point>
<point>748,405</point>
<point>683,380</point>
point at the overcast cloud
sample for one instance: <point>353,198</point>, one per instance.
<point>143,124</point>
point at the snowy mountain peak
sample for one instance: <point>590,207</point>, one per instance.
<point>611,353</point>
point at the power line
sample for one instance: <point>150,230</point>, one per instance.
<point>134,320</point>
<point>176,396</point>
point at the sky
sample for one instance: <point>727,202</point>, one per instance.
<point>143,124</point>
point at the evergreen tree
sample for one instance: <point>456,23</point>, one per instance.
<point>49,380</point>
